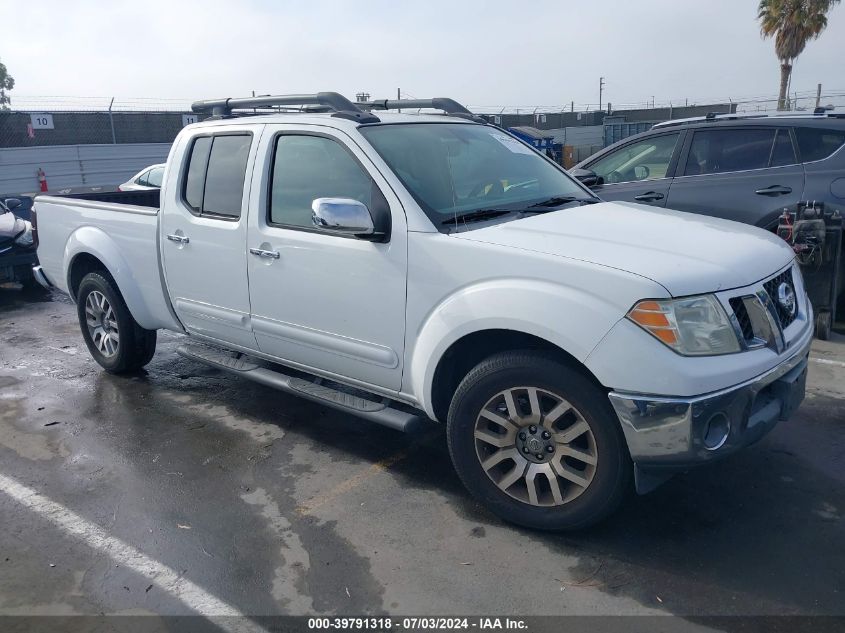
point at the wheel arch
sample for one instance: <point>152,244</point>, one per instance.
<point>90,249</point>
<point>470,349</point>
<point>504,314</point>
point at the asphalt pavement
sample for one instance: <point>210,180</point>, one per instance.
<point>186,490</point>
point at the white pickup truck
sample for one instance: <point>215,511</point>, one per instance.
<point>407,266</point>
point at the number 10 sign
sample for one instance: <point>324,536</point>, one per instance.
<point>42,121</point>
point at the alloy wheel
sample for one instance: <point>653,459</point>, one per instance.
<point>102,324</point>
<point>535,446</point>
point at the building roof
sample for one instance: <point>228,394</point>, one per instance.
<point>531,132</point>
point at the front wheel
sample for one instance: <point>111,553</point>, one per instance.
<point>112,335</point>
<point>538,443</point>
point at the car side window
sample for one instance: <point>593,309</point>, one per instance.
<point>783,153</point>
<point>215,176</point>
<point>155,176</point>
<point>725,150</point>
<point>647,159</point>
<point>818,143</point>
<point>142,179</point>
<point>310,167</point>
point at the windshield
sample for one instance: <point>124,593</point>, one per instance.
<point>456,169</point>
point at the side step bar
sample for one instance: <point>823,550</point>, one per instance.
<point>378,411</point>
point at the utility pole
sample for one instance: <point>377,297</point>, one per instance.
<point>818,95</point>
<point>601,89</point>
<point>399,97</point>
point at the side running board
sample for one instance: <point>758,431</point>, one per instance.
<point>378,411</point>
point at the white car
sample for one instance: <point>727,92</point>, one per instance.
<point>148,178</point>
<point>407,266</point>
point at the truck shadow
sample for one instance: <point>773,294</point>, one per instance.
<point>761,532</point>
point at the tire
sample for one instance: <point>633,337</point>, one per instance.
<point>581,426</point>
<point>823,325</point>
<point>121,346</point>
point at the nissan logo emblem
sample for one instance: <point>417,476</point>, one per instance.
<point>786,298</point>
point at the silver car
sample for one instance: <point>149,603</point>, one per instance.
<point>148,178</point>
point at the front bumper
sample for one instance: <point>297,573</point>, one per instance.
<point>667,434</point>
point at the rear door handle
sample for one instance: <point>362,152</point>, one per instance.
<point>774,190</point>
<point>649,196</point>
<point>179,239</point>
<point>260,252</point>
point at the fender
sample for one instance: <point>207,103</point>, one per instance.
<point>570,318</point>
<point>94,241</point>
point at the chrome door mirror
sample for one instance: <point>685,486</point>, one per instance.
<point>342,216</point>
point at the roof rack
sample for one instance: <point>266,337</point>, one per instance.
<point>321,102</point>
<point>734,116</point>
<point>449,106</point>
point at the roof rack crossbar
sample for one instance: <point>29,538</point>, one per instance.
<point>449,106</point>
<point>328,100</point>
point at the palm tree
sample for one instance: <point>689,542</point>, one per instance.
<point>792,23</point>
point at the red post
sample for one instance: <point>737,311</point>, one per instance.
<point>42,179</point>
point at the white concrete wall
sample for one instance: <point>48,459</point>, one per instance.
<point>75,165</point>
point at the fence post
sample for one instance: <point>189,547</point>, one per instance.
<point>111,122</point>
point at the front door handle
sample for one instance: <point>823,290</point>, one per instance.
<point>260,252</point>
<point>179,239</point>
<point>774,190</point>
<point>649,196</point>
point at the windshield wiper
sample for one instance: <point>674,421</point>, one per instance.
<point>557,201</point>
<point>473,216</point>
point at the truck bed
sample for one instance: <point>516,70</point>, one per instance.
<point>120,229</point>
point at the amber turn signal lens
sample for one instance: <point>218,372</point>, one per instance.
<point>651,316</point>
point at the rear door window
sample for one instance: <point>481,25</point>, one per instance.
<point>783,153</point>
<point>818,143</point>
<point>726,150</point>
<point>216,173</point>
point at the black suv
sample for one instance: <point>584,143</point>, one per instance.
<point>747,168</point>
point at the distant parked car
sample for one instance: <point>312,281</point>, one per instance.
<point>759,169</point>
<point>17,243</point>
<point>148,178</point>
<point>746,168</point>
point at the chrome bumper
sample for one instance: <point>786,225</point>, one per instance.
<point>670,434</point>
<point>40,277</point>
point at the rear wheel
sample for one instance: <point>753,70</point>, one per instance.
<point>538,443</point>
<point>112,335</point>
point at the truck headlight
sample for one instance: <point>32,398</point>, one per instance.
<point>692,326</point>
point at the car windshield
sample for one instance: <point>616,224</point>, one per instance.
<point>455,169</point>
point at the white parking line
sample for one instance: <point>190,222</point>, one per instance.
<point>160,575</point>
<point>825,361</point>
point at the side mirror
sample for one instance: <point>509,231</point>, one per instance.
<point>342,216</point>
<point>12,203</point>
<point>586,177</point>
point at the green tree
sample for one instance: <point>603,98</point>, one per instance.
<point>7,82</point>
<point>792,23</point>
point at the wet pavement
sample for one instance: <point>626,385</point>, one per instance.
<point>259,503</point>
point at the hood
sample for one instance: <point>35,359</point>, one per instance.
<point>685,253</point>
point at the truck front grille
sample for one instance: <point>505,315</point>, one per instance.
<point>741,313</point>
<point>771,288</point>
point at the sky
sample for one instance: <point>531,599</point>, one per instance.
<point>521,53</point>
